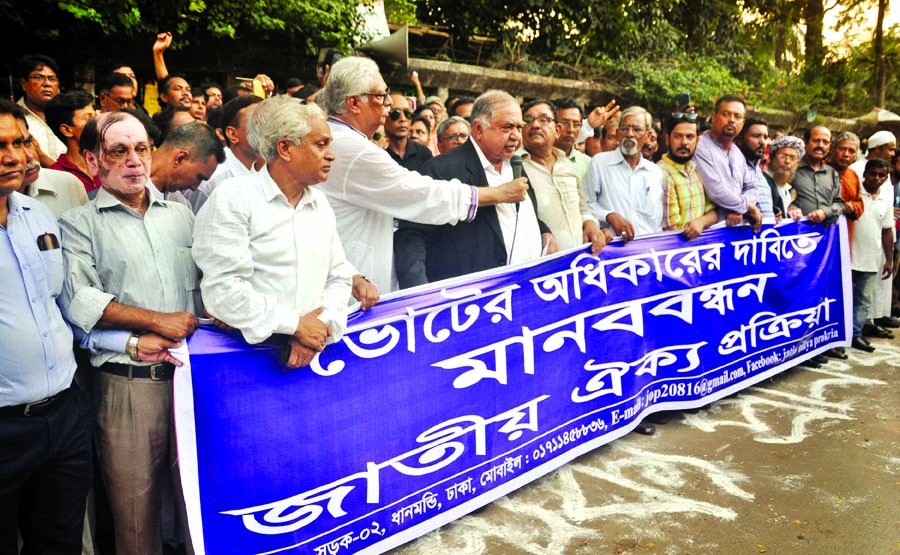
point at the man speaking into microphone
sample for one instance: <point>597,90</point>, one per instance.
<point>499,235</point>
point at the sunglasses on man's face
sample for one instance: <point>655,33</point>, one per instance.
<point>395,114</point>
<point>686,116</point>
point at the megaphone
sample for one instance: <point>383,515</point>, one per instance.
<point>392,50</point>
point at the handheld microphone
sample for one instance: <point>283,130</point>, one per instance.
<point>518,171</point>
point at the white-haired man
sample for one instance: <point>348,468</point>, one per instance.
<point>627,188</point>
<point>283,270</point>
<point>499,235</point>
<point>367,189</point>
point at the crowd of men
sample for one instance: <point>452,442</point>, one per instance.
<point>271,216</point>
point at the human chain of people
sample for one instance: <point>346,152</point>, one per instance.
<point>276,216</point>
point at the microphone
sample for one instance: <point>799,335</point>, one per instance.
<point>518,171</point>
<point>517,168</point>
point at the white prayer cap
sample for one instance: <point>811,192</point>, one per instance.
<point>881,138</point>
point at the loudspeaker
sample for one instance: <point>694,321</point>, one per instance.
<point>392,50</point>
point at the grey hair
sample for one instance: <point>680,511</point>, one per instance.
<point>846,136</point>
<point>637,110</point>
<point>279,117</point>
<point>486,104</point>
<point>445,125</point>
<point>351,76</point>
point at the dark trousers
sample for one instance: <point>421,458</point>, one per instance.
<point>45,475</point>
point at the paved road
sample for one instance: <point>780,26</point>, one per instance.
<point>806,463</point>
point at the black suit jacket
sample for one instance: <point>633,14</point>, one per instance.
<point>425,253</point>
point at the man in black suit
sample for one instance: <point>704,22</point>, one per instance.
<point>499,235</point>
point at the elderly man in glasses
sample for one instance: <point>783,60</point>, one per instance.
<point>556,181</point>
<point>130,283</point>
<point>367,189</point>
<point>498,236</point>
<point>627,188</point>
<point>685,206</point>
<point>453,132</point>
<point>409,154</point>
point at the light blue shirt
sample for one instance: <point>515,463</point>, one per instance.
<point>635,194</point>
<point>36,359</point>
<point>763,191</point>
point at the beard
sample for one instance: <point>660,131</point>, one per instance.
<point>782,175</point>
<point>681,159</point>
<point>629,147</point>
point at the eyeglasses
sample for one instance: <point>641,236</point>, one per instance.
<point>785,157</point>
<point>570,123</point>
<point>395,114</point>
<point>542,119</point>
<point>455,136</point>
<point>122,101</point>
<point>636,129</point>
<point>120,153</point>
<point>380,96</point>
<point>41,79</point>
<point>687,116</point>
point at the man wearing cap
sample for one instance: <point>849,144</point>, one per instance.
<point>817,186</point>
<point>785,153</point>
<point>882,146</point>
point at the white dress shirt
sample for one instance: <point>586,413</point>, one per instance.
<point>265,263</point>
<point>367,189</point>
<point>784,191</point>
<point>521,234</point>
<point>50,143</point>
<point>231,167</point>
<point>635,194</point>
<point>58,190</point>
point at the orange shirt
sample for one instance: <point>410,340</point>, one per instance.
<point>850,193</point>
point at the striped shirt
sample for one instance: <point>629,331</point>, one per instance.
<point>683,196</point>
<point>112,252</point>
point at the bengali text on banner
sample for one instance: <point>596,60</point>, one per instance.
<point>441,400</point>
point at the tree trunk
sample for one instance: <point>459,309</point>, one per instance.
<point>878,47</point>
<point>814,16</point>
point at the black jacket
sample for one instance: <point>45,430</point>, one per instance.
<point>426,253</point>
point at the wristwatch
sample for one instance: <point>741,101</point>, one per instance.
<point>132,346</point>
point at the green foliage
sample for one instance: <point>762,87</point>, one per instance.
<point>299,25</point>
<point>402,12</point>
<point>655,85</point>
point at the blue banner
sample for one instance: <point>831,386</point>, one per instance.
<point>440,401</point>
